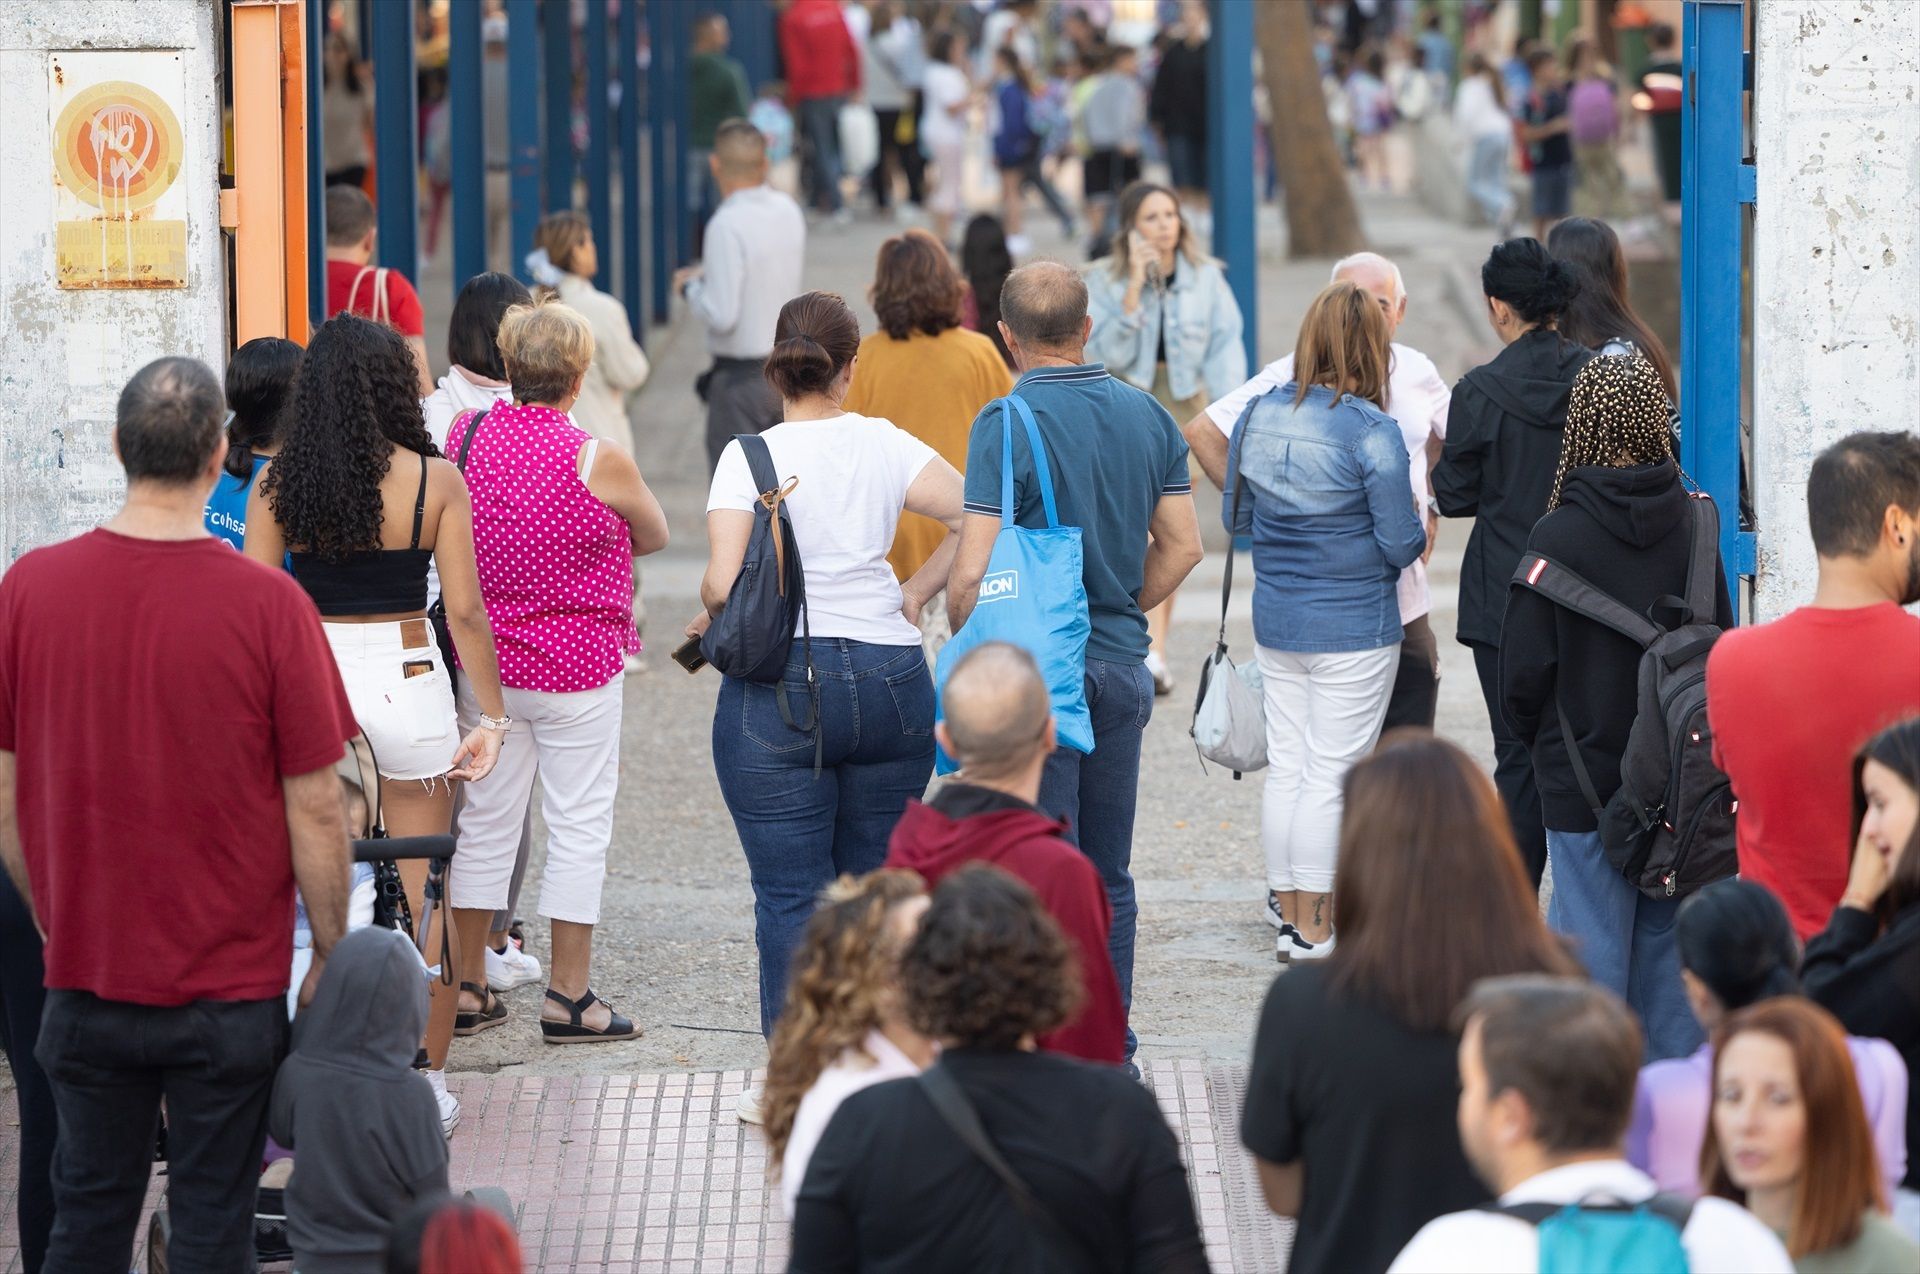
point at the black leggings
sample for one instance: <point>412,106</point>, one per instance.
<point>893,155</point>
<point>21,1001</point>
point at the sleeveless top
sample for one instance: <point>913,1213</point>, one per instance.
<point>374,582</point>
<point>556,564</point>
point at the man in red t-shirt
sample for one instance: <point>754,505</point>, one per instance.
<point>1792,702</point>
<point>170,715</point>
<point>823,68</point>
<point>999,726</point>
<point>356,286</point>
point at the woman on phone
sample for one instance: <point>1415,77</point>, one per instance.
<point>1164,320</point>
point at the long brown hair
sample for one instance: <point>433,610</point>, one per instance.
<point>1128,212</point>
<point>1839,1173</point>
<point>1898,748</point>
<point>915,287</point>
<point>1430,896</point>
<point>1600,311</point>
<point>1343,345</point>
<point>844,970</point>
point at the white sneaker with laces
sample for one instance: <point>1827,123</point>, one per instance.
<point>511,968</point>
<point>747,1106</point>
<point>449,1104</point>
<point>1271,912</point>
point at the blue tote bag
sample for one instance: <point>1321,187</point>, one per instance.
<point>1034,595</point>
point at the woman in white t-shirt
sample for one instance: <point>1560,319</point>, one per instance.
<point>816,776</point>
<point>946,94</point>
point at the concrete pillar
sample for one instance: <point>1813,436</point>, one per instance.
<point>1836,257</point>
<point>66,353</point>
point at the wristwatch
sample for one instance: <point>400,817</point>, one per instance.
<point>502,724</point>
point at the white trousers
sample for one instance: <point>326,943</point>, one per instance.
<point>1323,714</point>
<point>572,743</point>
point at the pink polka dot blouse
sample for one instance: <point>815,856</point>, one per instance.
<point>556,565</point>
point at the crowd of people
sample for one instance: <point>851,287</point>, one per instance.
<point>1666,1067</point>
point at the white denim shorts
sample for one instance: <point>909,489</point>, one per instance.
<point>408,719</point>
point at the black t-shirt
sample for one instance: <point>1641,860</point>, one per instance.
<point>1544,108</point>
<point>1368,1107</point>
<point>892,1188</point>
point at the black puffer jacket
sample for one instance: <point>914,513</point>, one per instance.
<point>1503,445</point>
<point>1628,532</point>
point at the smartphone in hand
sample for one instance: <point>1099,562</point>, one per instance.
<point>688,656</point>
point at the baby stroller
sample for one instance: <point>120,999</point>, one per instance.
<point>379,899</point>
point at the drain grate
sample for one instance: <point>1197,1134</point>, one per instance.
<point>1259,1241</point>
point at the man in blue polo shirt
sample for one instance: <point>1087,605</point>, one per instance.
<point>1119,470</point>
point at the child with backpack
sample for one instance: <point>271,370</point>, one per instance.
<point>1616,551</point>
<point>362,1123</point>
<point>1593,124</point>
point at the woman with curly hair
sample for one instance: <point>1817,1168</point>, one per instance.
<point>896,1184</point>
<point>360,502</point>
<point>923,371</point>
<point>845,1025</point>
<point>558,520</point>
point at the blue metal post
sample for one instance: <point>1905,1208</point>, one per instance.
<point>1230,160</point>
<point>752,22</point>
<point>523,107</point>
<point>557,17</point>
<point>396,116</point>
<point>628,52</point>
<point>1715,182</point>
<point>599,150</point>
<point>468,134</point>
<point>316,165</point>
<point>682,100</point>
<point>663,189</point>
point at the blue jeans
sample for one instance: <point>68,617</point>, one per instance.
<point>1625,938</point>
<point>820,125</point>
<point>1096,792</point>
<point>801,831</point>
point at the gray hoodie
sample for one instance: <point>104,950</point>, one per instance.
<point>363,1127</point>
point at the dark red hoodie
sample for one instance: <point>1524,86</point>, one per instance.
<point>820,56</point>
<point>967,824</point>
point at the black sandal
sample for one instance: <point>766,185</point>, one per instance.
<point>490,1014</point>
<point>577,1031</point>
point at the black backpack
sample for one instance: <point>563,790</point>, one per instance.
<point>1670,828</point>
<point>752,636</point>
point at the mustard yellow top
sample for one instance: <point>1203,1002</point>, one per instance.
<point>932,387</point>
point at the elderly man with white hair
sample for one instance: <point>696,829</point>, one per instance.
<point>1417,398</point>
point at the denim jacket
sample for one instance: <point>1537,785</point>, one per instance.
<point>1329,505</point>
<point>1204,353</point>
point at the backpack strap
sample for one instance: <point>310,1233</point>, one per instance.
<point>1669,1207</point>
<point>938,1084</point>
<point>773,493</point>
<point>1568,588</point>
<point>759,461</point>
<point>472,419</point>
<point>1705,556</point>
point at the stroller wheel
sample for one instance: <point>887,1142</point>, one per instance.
<point>159,1235</point>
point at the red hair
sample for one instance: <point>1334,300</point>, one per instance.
<point>1839,1174</point>
<point>469,1240</point>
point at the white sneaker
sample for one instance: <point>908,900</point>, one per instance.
<point>449,1104</point>
<point>747,1106</point>
<point>1313,950</point>
<point>511,968</point>
<point>1272,913</point>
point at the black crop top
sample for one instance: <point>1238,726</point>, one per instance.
<point>376,582</point>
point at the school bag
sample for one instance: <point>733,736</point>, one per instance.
<point>1034,596</point>
<point>1592,115</point>
<point>1608,1238</point>
<point>1670,828</point>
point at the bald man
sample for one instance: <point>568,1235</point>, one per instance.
<point>1417,398</point>
<point>999,725</point>
<point>1119,472</point>
<point>753,245</point>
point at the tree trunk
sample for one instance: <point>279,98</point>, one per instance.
<point>1321,218</point>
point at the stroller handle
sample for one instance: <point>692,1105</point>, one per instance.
<point>398,847</point>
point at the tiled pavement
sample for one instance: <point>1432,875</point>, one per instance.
<point>653,1174</point>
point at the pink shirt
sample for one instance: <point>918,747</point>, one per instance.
<point>556,564</point>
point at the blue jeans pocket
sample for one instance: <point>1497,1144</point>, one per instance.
<point>762,722</point>
<point>912,693</point>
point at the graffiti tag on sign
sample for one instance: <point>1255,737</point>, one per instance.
<point>117,154</point>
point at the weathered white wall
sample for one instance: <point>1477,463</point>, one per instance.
<point>1836,253</point>
<point>65,355</point>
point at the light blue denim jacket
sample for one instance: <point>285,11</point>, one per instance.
<point>1203,330</point>
<point>1330,508</point>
